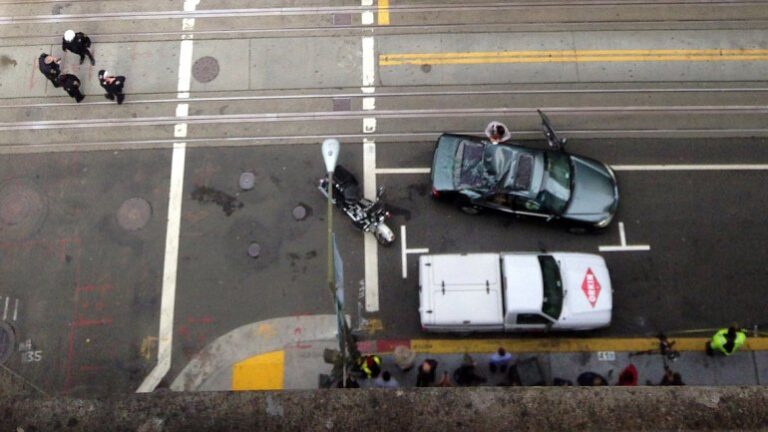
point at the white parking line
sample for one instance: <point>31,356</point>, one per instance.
<point>624,247</point>
<point>403,170</point>
<point>173,227</point>
<point>404,251</point>
<point>692,167</point>
<point>371,247</point>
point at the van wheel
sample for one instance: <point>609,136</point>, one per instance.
<point>470,209</point>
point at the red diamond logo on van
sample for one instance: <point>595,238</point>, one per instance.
<point>591,287</point>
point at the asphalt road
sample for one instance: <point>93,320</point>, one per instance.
<point>87,293</point>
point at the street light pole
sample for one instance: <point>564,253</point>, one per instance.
<point>330,150</point>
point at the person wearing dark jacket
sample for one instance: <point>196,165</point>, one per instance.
<point>78,43</point>
<point>113,85</point>
<point>72,86</point>
<point>49,66</point>
<point>426,375</point>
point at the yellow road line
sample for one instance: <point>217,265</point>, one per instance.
<point>383,12</point>
<point>453,346</point>
<point>561,56</point>
<point>260,372</point>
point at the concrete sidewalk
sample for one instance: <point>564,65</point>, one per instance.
<point>287,353</point>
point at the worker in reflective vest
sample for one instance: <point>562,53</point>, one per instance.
<point>370,365</point>
<point>726,341</point>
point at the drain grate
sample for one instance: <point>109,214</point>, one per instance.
<point>22,209</point>
<point>205,69</point>
<point>7,342</point>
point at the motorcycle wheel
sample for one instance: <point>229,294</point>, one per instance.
<point>384,235</point>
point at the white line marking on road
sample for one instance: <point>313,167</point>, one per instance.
<point>16,309</point>
<point>622,234</point>
<point>367,18</point>
<point>369,125</point>
<point>369,103</point>
<point>623,247</point>
<point>5,310</point>
<point>404,251</point>
<point>173,227</point>
<point>692,167</point>
<point>369,65</point>
<point>368,90</point>
<point>636,248</point>
<point>371,246</point>
<point>403,170</point>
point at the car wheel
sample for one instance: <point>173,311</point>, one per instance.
<point>470,209</point>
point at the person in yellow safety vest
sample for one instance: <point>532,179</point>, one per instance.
<point>370,365</point>
<point>726,341</point>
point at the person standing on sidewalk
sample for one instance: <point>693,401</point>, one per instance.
<point>49,66</point>
<point>499,360</point>
<point>426,375</point>
<point>726,341</point>
<point>113,85</point>
<point>77,43</point>
<point>370,365</point>
<point>71,85</point>
<point>386,381</point>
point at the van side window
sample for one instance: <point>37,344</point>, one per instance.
<point>528,319</point>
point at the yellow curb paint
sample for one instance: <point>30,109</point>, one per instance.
<point>261,372</point>
<point>383,12</point>
<point>574,56</point>
<point>454,346</point>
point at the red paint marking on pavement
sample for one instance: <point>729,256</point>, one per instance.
<point>368,346</point>
<point>385,346</point>
<point>91,368</point>
<point>92,322</point>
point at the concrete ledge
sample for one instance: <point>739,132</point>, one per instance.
<point>445,410</point>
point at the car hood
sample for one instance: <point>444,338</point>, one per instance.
<point>589,299</point>
<point>595,194</point>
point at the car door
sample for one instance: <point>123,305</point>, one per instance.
<point>526,206</point>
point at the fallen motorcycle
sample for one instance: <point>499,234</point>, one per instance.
<point>368,216</point>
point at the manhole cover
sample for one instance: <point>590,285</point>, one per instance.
<point>7,342</point>
<point>299,212</point>
<point>426,68</point>
<point>134,214</point>
<point>22,209</point>
<point>342,104</point>
<point>247,181</point>
<point>254,250</point>
<point>205,69</point>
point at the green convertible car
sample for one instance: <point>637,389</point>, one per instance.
<point>509,177</point>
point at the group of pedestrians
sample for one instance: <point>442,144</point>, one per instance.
<point>79,43</point>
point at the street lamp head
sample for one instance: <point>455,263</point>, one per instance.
<point>330,153</point>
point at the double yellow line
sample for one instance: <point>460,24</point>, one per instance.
<point>574,56</point>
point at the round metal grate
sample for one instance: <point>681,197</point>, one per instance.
<point>254,250</point>
<point>205,69</point>
<point>22,209</point>
<point>247,181</point>
<point>134,214</point>
<point>7,342</point>
<point>299,212</point>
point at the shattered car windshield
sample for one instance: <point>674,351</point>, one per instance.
<point>557,183</point>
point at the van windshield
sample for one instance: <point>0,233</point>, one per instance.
<point>553,287</point>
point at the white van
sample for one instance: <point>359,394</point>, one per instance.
<point>516,291</point>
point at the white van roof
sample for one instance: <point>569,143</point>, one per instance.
<point>459,288</point>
